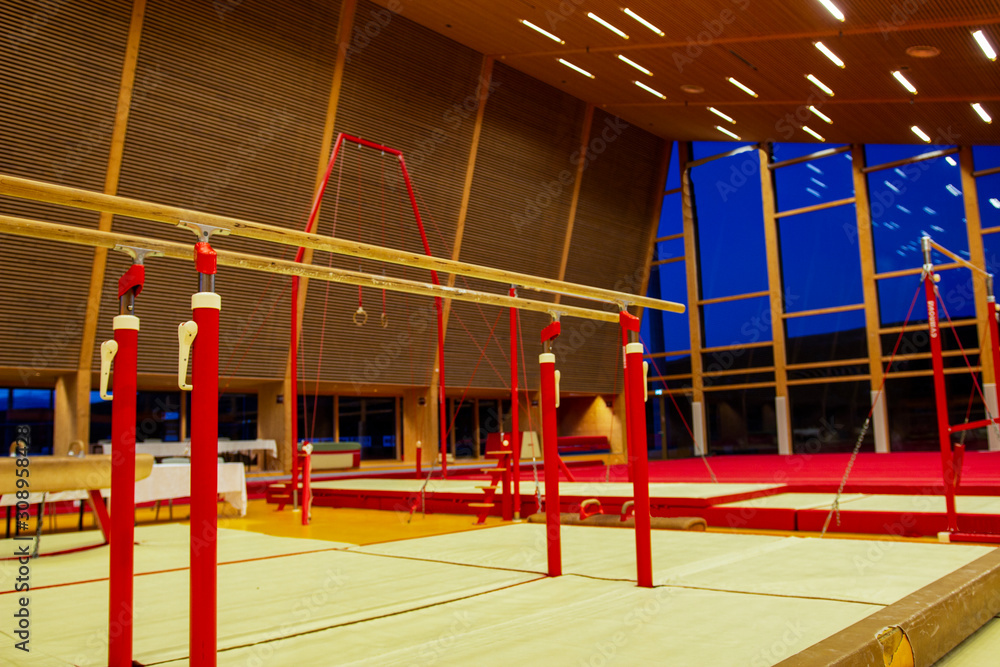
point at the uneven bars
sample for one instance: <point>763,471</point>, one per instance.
<point>23,188</point>
<point>949,254</point>
<point>25,227</point>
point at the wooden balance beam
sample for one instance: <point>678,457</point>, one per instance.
<point>53,474</point>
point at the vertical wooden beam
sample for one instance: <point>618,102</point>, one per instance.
<point>698,424</point>
<point>866,249</point>
<point>80,394</point>
<point>588,121</point>
<point>485,83</point>
<point>977,255</point>
<point>777,300</point>
<point>345,23</point>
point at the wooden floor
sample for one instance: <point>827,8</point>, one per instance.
<point>389,588</point>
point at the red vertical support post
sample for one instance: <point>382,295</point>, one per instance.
<point>991,319</point>
<point>940,397</point>
<point>515,427</point>
<point>124,350</point>
<point>307,449</point>
<point>206,305</point>
<point>628,424</point>
<point>635,415</point>
<point>550,441</point>
<point>293,379</point>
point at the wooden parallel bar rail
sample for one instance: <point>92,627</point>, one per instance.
<point>23,188</point>
<point>957,259</point>
<point>94,238</point>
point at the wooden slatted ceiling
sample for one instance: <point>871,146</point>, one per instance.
<point>396,97</point>
<point>230,123</point>
<point>607,248</point>
<point>59,73</point>
<point>517,217</point>
<point>776,39</point>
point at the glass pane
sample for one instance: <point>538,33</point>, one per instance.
<point>910,201</point>
<point>820,262</point>
<point>828,418</point>
<point>896,294</point>
<point>5,398</point>
<point>379,426</point>
<point>815,182</point>
<point>673,287</point>
<point>820,325</point>
<point>674,173</point>
<point>316,417</point>
<point>463,429</point>
<point>732,253</point>
<point>737,322</point>
<point>741,422</point>
<point>985,157</point>
<point>32,399</point>
<point>489,421</point>
<point>988,188</point>
<point>238,416</point>
<point>158,416</point>
<point>912,423</point>
<point>671,216</point>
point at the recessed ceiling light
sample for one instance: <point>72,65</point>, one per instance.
<point>578,69</point>
<point>692,89</point>
<point>829,54</point>
<point>650,90</point>
<point>607,25</point>
<point>820,114</point>
<point>644,22</point>
<point>920,133</point>
<point>741,86</point>
<point>721,115</point>
<point>812,132</point>
<point>833,9</point>
<point>982,112</point>
<point>923,51</point>
<point>819,84</point>
<point>634,64</point>
<point>539,30</point>
<point>725,131</point>
<point>906,84</point>
<point>985,45</point>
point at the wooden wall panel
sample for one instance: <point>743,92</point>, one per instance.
<point>608,248</point>
<point>411,89</point>
<point>230,121</point>
<point>517,217</point>
<point>59,73</point>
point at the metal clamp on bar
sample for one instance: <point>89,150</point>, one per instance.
<point>109,349</point>
<point>186,334</point>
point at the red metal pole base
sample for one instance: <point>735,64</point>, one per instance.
<point>306,484</point>
<point>547,367</point>
<point>120,583</point>
<point>204,478</point>
<point>635,379</point>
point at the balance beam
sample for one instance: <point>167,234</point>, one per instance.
<point>53,474</point>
